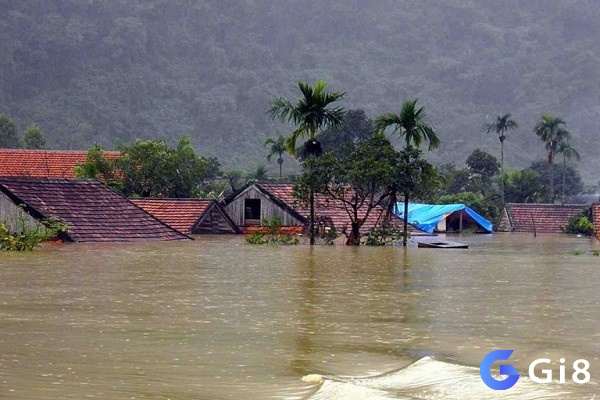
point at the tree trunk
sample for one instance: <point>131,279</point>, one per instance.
<point>564,178</point>
<point>354,237</point>
<point>502,168</point>
<point>405,228</point>
<point>311,232</point>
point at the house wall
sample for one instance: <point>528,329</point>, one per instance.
<point>213,223</point>
<point>14,217</point>
<point>268,209</point>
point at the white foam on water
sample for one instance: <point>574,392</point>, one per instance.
<point>429,379</point>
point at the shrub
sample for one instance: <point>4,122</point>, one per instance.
<point>273,235</point>
<point>581,223</point>
<point>28,238</point>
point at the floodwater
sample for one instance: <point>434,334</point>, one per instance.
<point>219,319</point>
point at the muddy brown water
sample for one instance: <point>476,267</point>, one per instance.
<point>219,319</point>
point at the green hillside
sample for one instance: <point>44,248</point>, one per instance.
<point>103,70</point>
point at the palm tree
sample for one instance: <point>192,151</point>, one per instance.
<point>503,123</point>
<point>409,124</point>
<point>310,114</point>
<point>551,131</point>
<point>277,147</point>
<point>568,152</point>
<point>258,175</point>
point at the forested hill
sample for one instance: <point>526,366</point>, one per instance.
<point>98,70</point>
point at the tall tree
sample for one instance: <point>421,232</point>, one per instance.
<point>502,124</point>
<point>9,138</point>
<point>310,114</point>
<point>551,131</point>
<point>568,152</point>
<point>313,112</point>
<point>358,181</point>
<point>277,147</point>
<point>356,127</point>
<point>409,124</point>
<point>33,138</point>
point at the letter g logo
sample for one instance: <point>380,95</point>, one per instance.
<point>486,365</point>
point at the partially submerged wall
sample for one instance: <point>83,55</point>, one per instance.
<point>14,217</point>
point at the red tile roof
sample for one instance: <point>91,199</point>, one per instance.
<point>541,218</point>
<point>92,211</point>
<point>43,163</point>
<point>330,208</point>
<point>184,214</point>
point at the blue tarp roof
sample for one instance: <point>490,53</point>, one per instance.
<point>427,216</point>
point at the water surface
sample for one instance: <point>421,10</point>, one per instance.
<point>219,319</point>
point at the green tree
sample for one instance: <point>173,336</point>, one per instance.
<point>277,147</point>
<point>551,130</point>
<point>409,124</point>
<point>456,180</point>
<point>33,138</point>
<point>551,176</point>
<point>310,114</point>
<point>568,152</point>
<point>149,168</point>
<point>502,124</point>
<point>524,186</point>
<point>482,167</point>
<point>359,182</point>
<point>258,175</point>
<point>235,178</point>
<point>415,178</point>
<point>355,128</point>
<point>9,138</point>
<point>99,168</point>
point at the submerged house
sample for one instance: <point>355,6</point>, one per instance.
<point>190,216</point>
<point>596,218</point>
<point>91,211</point>
<point>257,202</point>
<point>44,163</point>
<point>538,218</point>
<point>444,217</point>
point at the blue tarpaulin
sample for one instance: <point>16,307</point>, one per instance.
<point>427,216</point>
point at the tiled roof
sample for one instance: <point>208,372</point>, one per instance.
<point>596,218</point>
<point>541,218</point>
<point>43,163</point>
<point>329,208</point>
<point>184,214</point>
<point>92,212</point>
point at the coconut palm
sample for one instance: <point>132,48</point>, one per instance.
<point>277,147</point>
<point>310,114</point>
<point>410,125</point>
<point>502,124</point>
<point>568,152</point>
<point>552,132</point>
